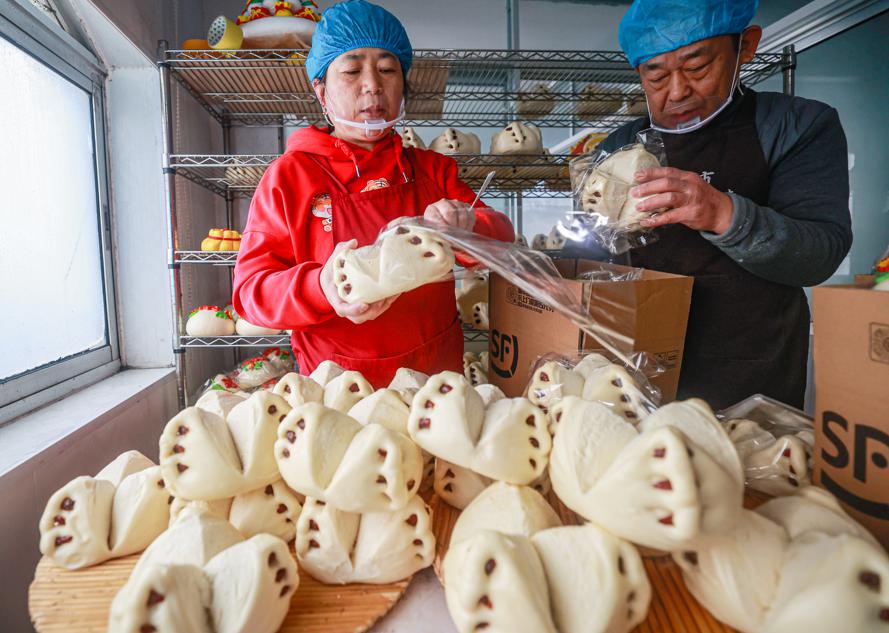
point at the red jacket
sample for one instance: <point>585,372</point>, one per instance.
<point>285,245</point>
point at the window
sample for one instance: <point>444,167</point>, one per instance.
<point>55,276</point>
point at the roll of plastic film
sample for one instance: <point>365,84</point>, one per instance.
<point>225,34</point>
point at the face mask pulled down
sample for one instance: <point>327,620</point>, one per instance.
<point>373,128</point>
<point>697,122</point>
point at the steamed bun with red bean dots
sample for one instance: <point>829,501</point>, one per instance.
<point>511,566</point>
<point>796,563</point>
<point>325,454</point>
<point>507,440</point>
<point>453,141</point>
<point>407,382</point>
<point>206,457</point>
<point>774,465</point>
<point>346,390</point>
<point>666,483</point>
<point>407,258</point>
<point>337,547</point>
<point>606,190</point>
<point>118,512</point>
<point>297,389</point>
<point>245,588</point>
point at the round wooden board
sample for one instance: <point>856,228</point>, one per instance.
<point>672,609</point>
<point>64,601</point>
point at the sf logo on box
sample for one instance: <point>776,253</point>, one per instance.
<point>504,354</point>
<point>869,457</point>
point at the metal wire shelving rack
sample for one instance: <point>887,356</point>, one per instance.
<point>446,88</point>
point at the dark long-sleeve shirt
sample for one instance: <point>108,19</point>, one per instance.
<point>800,237</point>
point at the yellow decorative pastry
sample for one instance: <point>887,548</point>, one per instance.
<point>221,240</point>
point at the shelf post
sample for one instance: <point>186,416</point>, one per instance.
<point>170,204</point>
<point>788,61</point>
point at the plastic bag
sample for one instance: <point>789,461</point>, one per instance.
<point>606,273</point>
<point>605,211</point>
<point>595,377</point>
<point>775,442</point>
<point>535,274</point>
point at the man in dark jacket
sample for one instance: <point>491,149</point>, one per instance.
<point>753,204</point>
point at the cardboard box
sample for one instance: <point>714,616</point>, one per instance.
<point>652,310</point>
<point>852,401</point>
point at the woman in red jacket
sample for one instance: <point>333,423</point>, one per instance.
<point>338,187</point>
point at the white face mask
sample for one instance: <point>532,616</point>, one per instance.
<point>372,127</point>
<point>697,123</point>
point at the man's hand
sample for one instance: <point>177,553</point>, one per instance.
<point>685,198</point>
<point>451,213</point>
<point>355,312</point>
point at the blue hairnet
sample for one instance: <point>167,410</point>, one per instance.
<point>652,27</point>
<point>356,24</point>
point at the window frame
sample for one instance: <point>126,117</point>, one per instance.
<point>36,35</point>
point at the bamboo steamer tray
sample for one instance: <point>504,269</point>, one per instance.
<point>65,601</point>
<point>673,609</point>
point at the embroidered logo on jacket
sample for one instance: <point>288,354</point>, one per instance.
<point>322,208</point>
<point>371,185</point>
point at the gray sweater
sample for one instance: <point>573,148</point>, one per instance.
<point>805,231</point>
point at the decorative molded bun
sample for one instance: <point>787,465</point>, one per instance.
<point>538,242</point>
<point>253,372</point>
<point>384,407</point>
<point>243,328</point>
<point>521,240</point>
<point>246,588</point>
<point>666,484</point>
<point>326,371</point>
<point>297,389</point>
<point>407,258</point>
<point>540,101</point>
<point>797,563</point>
<point>597,100</point>
<point>206,457</point>
<point>776,466</point>
<point>555,241</point>
<point>346,390</point>
<point>410,138</point>
<point>325,454</point>
<point>118,512</point>
<point>508,441</point>
<point>480,316</point>
<point>517,138</point>
<point>407,383</point>
<point>453,141</point>
<point>562,579</point>
<point>506,508</point>
<point>606,191</point>
<point>337,547</point>
<point>472,290</point>
<point>210,321</point>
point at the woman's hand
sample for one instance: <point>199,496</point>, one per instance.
<point>356,312</point>
<point>451,213</point>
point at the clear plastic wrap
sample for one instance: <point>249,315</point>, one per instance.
<point>605,211</point>
<point>536,274</point>
<point>254,374</point>
<point>595,377</point>
<point>775,442</point>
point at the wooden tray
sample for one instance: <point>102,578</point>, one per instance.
<point>64,601</point>
<point>673,609</point>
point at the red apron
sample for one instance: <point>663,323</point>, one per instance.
<point>421,330</point>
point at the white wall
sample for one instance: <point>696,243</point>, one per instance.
<point>133,424</point>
